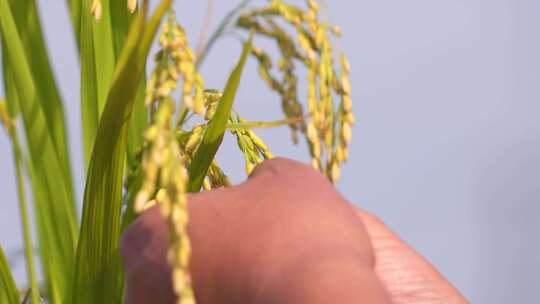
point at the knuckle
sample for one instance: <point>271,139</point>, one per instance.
<point>289,174</point>
<point>280,166</point>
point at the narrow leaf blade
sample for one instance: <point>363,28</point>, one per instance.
<point>98,275</point>
<point>89,87</point>
<point>52,196</point>
<point>8,289</point>
<point>218,125</point>
<point>74,7</point>
<point>29,27</point>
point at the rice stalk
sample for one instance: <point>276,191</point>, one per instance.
<point>9,125</point>
<point>8,290</point>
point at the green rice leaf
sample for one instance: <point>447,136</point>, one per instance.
<point>55,260</point>
<point>137,125</point>
<point>29,27</point>
<point>122,18</point>
<point>217,126</point>
<point>104,49</point>
<point>49,233</point>
<point>98,275</point>
<point>89,88</point>
<point>101,44</point>
<point>8,289</point>
<point>25,220</point>
<point>74,7</point>
<point>9,84</point>
<point>52,197</point>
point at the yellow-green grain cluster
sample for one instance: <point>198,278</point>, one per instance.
<point>190,141</point>
<point>252,146</point>
<point>211,100</point>
<point>165,184</point>
<point>164,161</point>
<point>345,119</point>
<point>216,178</point>
<point>176,62</point>
<point>328,129</point>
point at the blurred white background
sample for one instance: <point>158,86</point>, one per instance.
<point>447,146</point>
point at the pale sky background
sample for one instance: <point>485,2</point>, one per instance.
<point>447,146</point>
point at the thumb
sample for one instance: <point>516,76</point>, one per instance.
<point>406,275</point>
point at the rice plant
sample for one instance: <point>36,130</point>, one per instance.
<point>149,137</point>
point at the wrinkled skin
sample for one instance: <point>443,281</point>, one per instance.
<point>283,236</point>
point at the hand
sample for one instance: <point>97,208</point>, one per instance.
<point>283,236</point>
